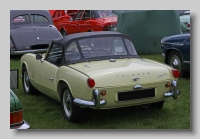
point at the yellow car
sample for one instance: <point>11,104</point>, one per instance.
<point>98,70</point>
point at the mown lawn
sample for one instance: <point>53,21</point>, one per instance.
<point>42,112</point>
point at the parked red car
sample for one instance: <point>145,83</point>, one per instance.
<point>85,21</point>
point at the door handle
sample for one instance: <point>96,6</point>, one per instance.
<point>86,22</point>
<point>51,79</point>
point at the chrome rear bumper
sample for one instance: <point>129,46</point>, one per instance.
<point>174,91</point>
<point>96,101</point>
<point>25,125</point>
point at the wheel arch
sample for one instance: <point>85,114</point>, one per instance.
<point>60,84</point>
<point>168,51</point>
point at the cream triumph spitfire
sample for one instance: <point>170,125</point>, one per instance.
<point>98,70</point>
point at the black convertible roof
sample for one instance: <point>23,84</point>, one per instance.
<point>67,38</point>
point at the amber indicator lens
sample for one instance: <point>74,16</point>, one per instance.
<point>103,92</point>
<point>167,84</point>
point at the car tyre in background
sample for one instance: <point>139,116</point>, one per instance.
<point>63,32</point>
<point>71,112</point>
<point>27,86</point>
<point>175,60</point>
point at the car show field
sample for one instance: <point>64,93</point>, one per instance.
<point>99,69</point>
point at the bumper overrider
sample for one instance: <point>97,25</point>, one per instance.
<point>96,101</point>
<point>174,91</point>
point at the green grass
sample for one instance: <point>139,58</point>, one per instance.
<point>42,112</point>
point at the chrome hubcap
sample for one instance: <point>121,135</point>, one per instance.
<point>26,81</point>
<point>175,62</point>
<point>67,103</point>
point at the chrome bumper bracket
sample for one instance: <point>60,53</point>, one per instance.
<point>174,90</point>
<point>96,102</point>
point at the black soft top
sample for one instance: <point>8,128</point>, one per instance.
<point>76,36</point>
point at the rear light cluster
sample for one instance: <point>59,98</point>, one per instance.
<point>90,82</point>
<point>188,25</point>
<point>175,73</point>
<point>16,117</point>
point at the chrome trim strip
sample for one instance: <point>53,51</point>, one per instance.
<point>187,62</point>
<point>163,39</point>
<point>174,90</point>
<point>96,102</point>
<point>172,43</point>
<point>28,51</point>
<point>25,125</point>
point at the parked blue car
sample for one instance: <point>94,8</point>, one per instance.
<point>176,52</point>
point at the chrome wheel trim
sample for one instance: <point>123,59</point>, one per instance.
<point>175,62</point>
<point>67,103</point>
<point>26,81</point>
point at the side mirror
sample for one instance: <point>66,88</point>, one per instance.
<point>38,56</point>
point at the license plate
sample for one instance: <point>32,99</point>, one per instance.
<point>136,94</point>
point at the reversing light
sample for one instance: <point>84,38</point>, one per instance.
<point>90,82</point>
<point>167,84</point>
<point>103,92</point>
<point>175,73</point>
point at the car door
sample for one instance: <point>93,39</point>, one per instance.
<point>85,24</point>
<point>186,54</point>
<point>78,22</point>
<point>47,68</point>
<point>55,18</point>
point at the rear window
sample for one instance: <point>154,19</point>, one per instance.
<point>39,18</point>
<point>21,19</point>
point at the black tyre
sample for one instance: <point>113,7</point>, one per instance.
<point>71,112</point>
<point>63,33</point>
<point>27,86</point>
<point>175,60</point>
<point>158,105</point>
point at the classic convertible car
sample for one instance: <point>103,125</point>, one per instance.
<point>31,31</point>
<point>176,52</point>
<point>85,21</point>
<point>98,70</point>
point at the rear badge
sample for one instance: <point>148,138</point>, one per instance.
<point>38,38</point>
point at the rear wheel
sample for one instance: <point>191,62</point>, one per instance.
<point>27,86</point>
<point>71,112</point>
<point>176,62</point>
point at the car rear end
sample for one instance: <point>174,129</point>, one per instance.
<point>16,113</point>
<point>133,84</point>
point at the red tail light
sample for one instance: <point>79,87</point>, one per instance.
<point>91,82</point>
<point>187,24</point>
<point>175,73</point>
<point>16,117</point>
<point>11,118</point>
